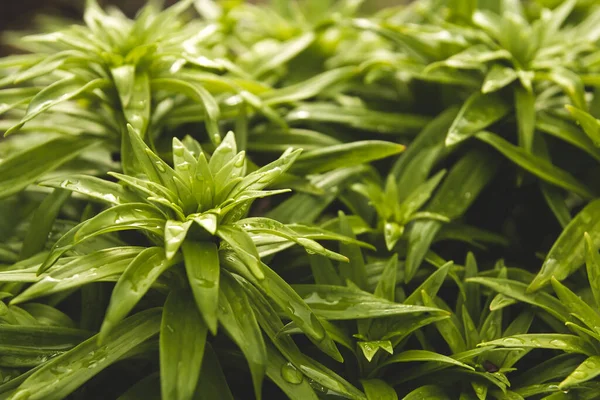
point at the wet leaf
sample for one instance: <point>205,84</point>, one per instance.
<point>239,321</point>
<point>478,112</point>
<point>60,376</point>
<point>133,284</point>
<point>568,252</point>
<point>203,272</point>
<point>182,341</point>
<point>536,165</point>
<point>343,303</point>
<point>22,169</point>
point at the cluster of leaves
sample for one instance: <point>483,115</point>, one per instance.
<point>224,200</point>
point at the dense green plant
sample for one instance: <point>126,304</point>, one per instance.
<point>143,257</point>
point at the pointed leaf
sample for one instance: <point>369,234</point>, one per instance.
<point>568,343</point>
<point>518,291</point>
<point>587,370</point>
<point>478,112</point>
<point>577,307</point>
<point>81,270</point>
<point>536,165</point>
<point>203,270</point>
<point>175,233</point>
<point>21,169</point>
<point>241,243</point>
<point>182,341</point>
<point>344,155</point>
<point>199,94</point>
<point>590,125</point>
<point>132,285</point>
<point>57,93</point>
<point>238,319</point>
<point>376,389</point>
<point>212,383</point>
<point>60,376</point>
<point>568,252</point>
<point>371,348</point>
<point>342,303</point>
<point>96,188</point>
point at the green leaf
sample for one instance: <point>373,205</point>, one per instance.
<point>175,233</point>
<point>279,141</point>
<point>199,94</point>
<point>310,87</point>
<point>343,303</point>
<point>42,221</point>
<point>358,117</point>
<point>497,78</point>
<point>46,339</point>
<point>464,182</point>
<point>590,125</point>
<point>124,78</point>
<point>57,93</point>
<point>289,379</point>
<point>413,168</point>
<point>424,355</point>
<point>224,153</point>
<point>376,389</point>
<point>525,109</point>
<point>122,217</point>
<point>431,285</point>
<point>577,307</point>
<point>356,271</point>
<point>238,319</point>
<point>155,169</point>
<point>587,370</point>
<point>568,132</point>
<point>386,287</point>
<point>571,83</point>
<point>286,51</point>
<point>448,328</point>
<point>95,188</point>
<point>60,376</point>
<point>14,97</point>
<point>536,165</point>
<point>429,392</point>
<point>299,312</point>
<point>81,270</point>
<point>344,155</point>
<point>303,238</point>
<point>241,243</point>
<point>184,161</point>
<point>478,112</point>
<point>21,169</point>
<point>568,252</point>
<point>592,261</point>
<point>272,325</point>
<point>371,348</point>
<point>556,341</point>
<point>557,204</point>
<point>519,291</point>
<point>266,175</point>
<point>182,341</point>
<point>203,271</point>
<point>133,284</point>
<point>212,383</point>
<point>323,271</point>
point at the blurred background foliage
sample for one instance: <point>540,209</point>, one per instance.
<point>20,14</point>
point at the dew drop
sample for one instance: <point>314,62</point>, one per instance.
<point>291,374</point>
<point>160,166</point>
<point>513,342</point>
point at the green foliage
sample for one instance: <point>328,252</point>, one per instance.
<point>303,200</point>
